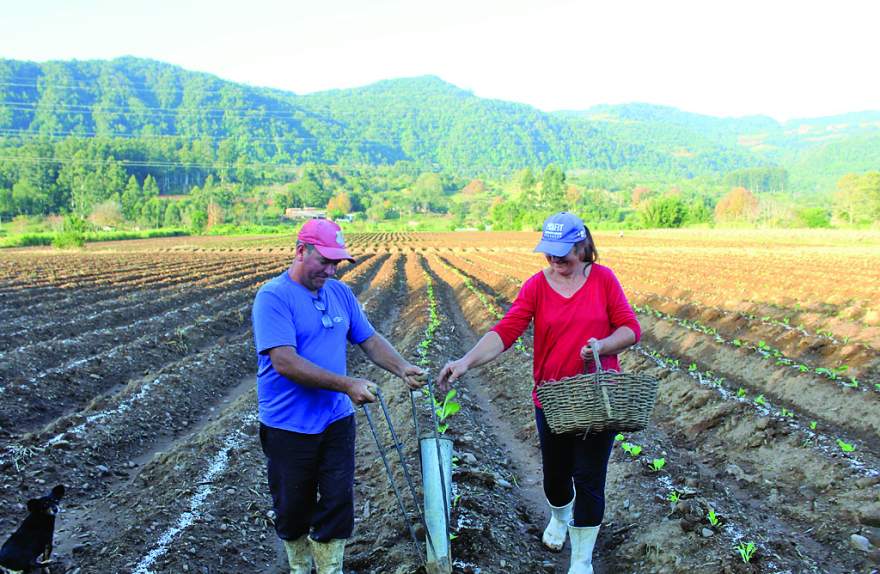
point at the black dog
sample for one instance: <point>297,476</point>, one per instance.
<point>30,546</point>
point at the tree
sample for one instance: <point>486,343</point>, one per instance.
<point>739,204</point>
<point>339,205</point>
<point>667,211</point>
<point>639,195</point>
<point>857,199</point>
<point>107,214</point>
<point>552,195</point>
<point>132,199</point>
<point>427,193</point>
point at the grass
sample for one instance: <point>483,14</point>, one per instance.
<point>51,238</point>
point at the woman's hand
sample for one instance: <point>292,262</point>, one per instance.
<point>450,373</point>
<point>587,350</point>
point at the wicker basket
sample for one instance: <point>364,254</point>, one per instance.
<point>604,400</point>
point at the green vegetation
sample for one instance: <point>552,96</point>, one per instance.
<point>747,551</point>
<point>135,144</point>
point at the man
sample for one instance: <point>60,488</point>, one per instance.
<point>302,321</point>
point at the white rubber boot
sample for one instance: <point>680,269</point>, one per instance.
<point>299,555</point>
<point>557,528</point>
<point>328,555</point>
<point>583,539</point>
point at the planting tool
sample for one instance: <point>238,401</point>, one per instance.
<point>382,452</point>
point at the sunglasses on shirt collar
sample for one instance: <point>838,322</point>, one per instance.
<point>325,318</point>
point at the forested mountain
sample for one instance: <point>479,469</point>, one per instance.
<point>72,133</point>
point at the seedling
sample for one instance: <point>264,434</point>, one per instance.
<point>786,413</point>
<point>877,386</point>
<point>845,446</point>
<point>633,449</point>
<point>692,367</point>
<point>747,551</point>
<point>713,518</point>
<point>737,343</point>
<point>446,409</point>
<point>619,437</point>
<point>657,464</point>
<point>741,393</point>
<point>759,400</point>
<point>812,425</point>
<point>673,497</point>
<point>853,383</point>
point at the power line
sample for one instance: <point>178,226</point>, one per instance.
<point>141,163</point>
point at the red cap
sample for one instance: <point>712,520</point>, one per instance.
<point>327,238</point>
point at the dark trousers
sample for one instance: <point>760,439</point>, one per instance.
<point>584,461</point>
<point>311,478</point>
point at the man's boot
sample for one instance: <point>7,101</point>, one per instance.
<point>328,555</point>
<point>557,528</point>
<point>583,539</point>
<point>299,555</point>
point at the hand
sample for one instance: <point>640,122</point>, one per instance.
<point>414,377</point>
<point>587,350</point>
<point>361,391</point>
<point>450,373</point>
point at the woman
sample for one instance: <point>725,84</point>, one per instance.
<point>577,305</point>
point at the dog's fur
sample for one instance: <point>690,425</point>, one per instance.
<point>30,546</point>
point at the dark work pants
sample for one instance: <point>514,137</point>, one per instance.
<point>311,478</point>
<point>584,461</point>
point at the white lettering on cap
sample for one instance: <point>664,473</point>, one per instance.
<point>555,227</point>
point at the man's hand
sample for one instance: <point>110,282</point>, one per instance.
<point>361,391</point>
<point>414,377</point>
<point>587,350</point>
<point>450,373</point>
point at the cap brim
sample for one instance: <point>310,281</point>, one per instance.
<point>336,253</point>
<point>554,248</point>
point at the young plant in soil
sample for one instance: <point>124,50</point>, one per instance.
<point>633,450</point>
<point>657,464</point>
<point>713,518</point>
<point>747,551</point>
<point>845,446</point>
<point>445,410</point>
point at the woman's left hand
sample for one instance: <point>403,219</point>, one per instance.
<point>587,350</point>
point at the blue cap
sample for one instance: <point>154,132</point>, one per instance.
<point>561,231</point>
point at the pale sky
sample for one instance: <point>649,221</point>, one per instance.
<point>781,58</point>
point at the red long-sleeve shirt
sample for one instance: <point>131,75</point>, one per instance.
<point>563,325</point>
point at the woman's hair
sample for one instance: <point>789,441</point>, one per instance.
<point>590,254</point>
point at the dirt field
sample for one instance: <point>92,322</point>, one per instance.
<point>127,374</point>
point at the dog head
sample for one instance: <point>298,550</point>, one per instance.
<point>49,504</point>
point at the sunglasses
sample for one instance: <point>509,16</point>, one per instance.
<point>325,318</point>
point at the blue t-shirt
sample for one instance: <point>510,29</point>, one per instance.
<point>284,314</point>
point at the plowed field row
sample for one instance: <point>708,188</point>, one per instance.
<point>704,434</point>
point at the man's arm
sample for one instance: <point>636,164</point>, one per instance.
<point>289,364</point>
<point>381,352</point>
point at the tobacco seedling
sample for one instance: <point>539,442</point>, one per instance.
<point>673,497</point>
<point>692,367</point>
<point>619,437</point>
<point>747,551</point>
<point>741,393</point>
<point>713,518</point>
<point>845,446</point>
<point>446,409</point>
<point>812,425</point>
<point>632,449</point>
<point>759,400</point>
<point>786,413</point>
<point>657,464</point>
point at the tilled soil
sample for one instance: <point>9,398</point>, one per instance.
<point>151,423</point>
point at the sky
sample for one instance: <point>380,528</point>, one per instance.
<point>786,59</point>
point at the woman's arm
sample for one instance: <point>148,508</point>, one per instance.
<point>486,349</point>
<point>622,338</point>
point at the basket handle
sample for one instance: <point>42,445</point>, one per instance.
<point>596,360</point>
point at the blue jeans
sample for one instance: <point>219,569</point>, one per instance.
<point>311,478</point>
<point>583,461</point>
